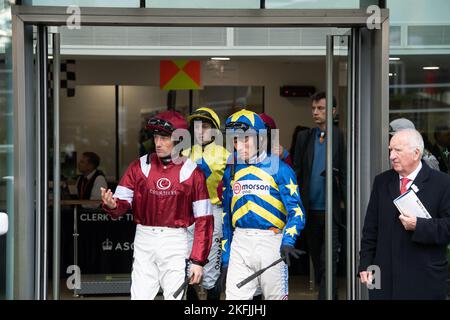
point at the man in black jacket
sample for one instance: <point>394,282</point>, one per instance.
<point>309,164</point>
<point>91,179</point>
<point>409,252</point>
<point>441,149</point>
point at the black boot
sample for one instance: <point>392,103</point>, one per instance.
<point>191,293</point>
<point>258,297</point>
<point>212,294</point>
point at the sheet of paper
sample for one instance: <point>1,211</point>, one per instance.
<point>409,204</point>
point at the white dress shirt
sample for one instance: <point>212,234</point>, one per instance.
<point>412,176</point>
<point>96,194</point>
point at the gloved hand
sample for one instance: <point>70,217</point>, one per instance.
<point>287,251</point>
<point>221,281</point>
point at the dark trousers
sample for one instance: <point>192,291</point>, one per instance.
<point>315,237</point>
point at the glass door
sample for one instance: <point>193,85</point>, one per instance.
<point>339,236</point>
<point>371,92</point>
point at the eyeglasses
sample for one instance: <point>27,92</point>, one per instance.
<point>163,124</point>
<point>237,126</point>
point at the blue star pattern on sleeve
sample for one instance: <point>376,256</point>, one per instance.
<point>260,197</point>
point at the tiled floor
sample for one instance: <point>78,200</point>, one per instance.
<point>299,289</point>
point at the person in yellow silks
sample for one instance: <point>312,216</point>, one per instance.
<point>211,157</point>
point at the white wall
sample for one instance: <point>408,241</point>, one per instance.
<point>135,103</point>
<point>287,112</point>
<point>91,112</point>
<point>268,73</point>
<point>87,123</point>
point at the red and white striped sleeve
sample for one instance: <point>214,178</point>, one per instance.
<point>204,219</point>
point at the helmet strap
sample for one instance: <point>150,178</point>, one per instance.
<point>204,144</point>
<point>166,159</point>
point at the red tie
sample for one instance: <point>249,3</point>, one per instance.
<point>403,188</point>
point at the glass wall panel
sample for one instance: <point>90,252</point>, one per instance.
<point>117,89</point>
<point>6,150</point>
<point>419,75</point>
<point>204,4</point>
<point>420,72</point>
<point>255,4</point>
<point>208,4</point>
<point>312,4</point>
<point>88,3</point>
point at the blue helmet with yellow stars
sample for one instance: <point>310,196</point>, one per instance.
<point>245,120</point>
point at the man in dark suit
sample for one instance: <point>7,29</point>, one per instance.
<point>91,179</point>
<point>410,252</point>
<point>309,164</point>
<point>441,149</point>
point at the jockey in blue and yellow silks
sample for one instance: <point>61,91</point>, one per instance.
<point>263,213</point>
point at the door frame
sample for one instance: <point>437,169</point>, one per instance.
<point>370,55</point>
